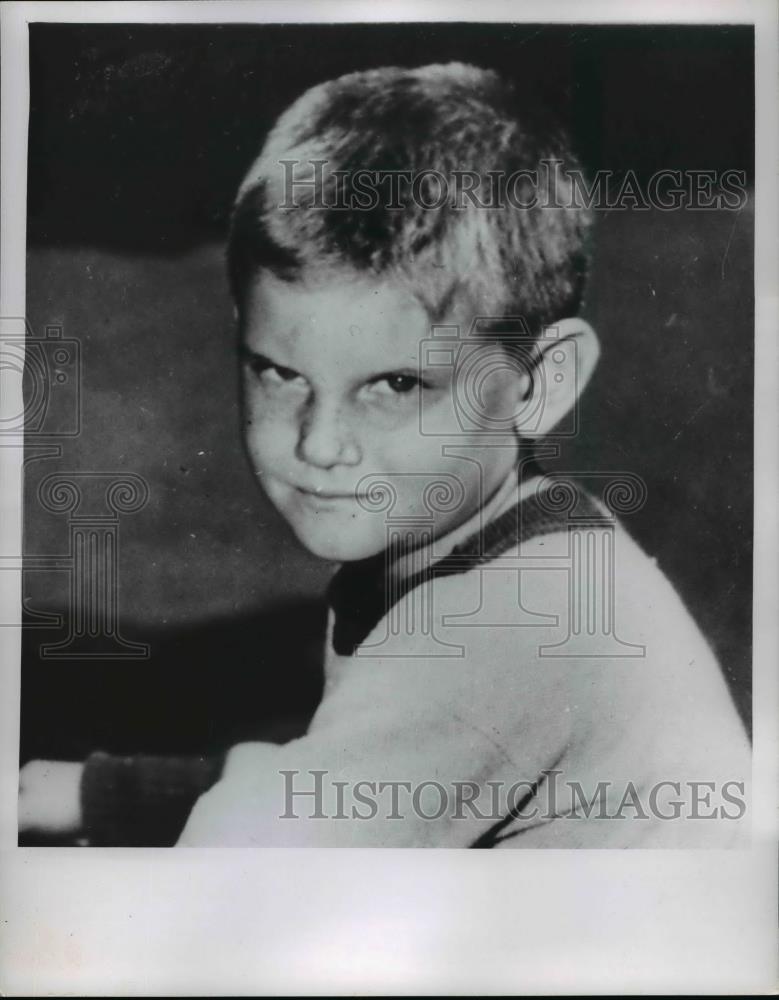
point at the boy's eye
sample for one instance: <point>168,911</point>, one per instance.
<point>273,374</point>
<point>397,384</point>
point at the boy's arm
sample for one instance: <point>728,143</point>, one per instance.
<point>113,801</point>
<point>389,728</point>
<point>142,800</point>
<point>502,712</point>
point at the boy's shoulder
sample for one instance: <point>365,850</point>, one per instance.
<point>535,587</point>
<point>539,574</point>
<point>582,606</point>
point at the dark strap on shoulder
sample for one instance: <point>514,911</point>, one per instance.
<point>358,593</point>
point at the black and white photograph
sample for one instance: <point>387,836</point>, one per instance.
<point>389,450</point>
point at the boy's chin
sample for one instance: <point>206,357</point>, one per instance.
<point>350,549</point>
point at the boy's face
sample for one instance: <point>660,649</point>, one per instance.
<point>334,392</point>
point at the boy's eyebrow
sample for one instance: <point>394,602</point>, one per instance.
<point>402,370</point>
<point>247,354</point>
<point>443,306</point>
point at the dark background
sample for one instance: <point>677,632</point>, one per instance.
<point>139,136</point>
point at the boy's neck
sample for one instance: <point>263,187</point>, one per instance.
<point>520,482</point>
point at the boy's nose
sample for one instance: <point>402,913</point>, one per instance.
<point>324,439</point>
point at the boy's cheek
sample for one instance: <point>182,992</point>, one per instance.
<point>270,407</point>
<point>265,413</point>
<point>439,417</point>
<point>268,442</point>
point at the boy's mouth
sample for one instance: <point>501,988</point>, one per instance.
<point>320,494</point>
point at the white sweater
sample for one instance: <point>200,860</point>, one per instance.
<point>483,683</point>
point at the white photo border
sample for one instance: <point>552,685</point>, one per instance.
<point>213,922</point>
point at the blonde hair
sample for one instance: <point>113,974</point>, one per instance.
<point>525,259</point>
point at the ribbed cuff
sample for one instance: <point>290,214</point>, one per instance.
<point>141,800</point>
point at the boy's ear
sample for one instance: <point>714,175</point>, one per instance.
<point>567,353</point>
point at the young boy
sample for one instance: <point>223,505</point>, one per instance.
<point>504,666</point>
